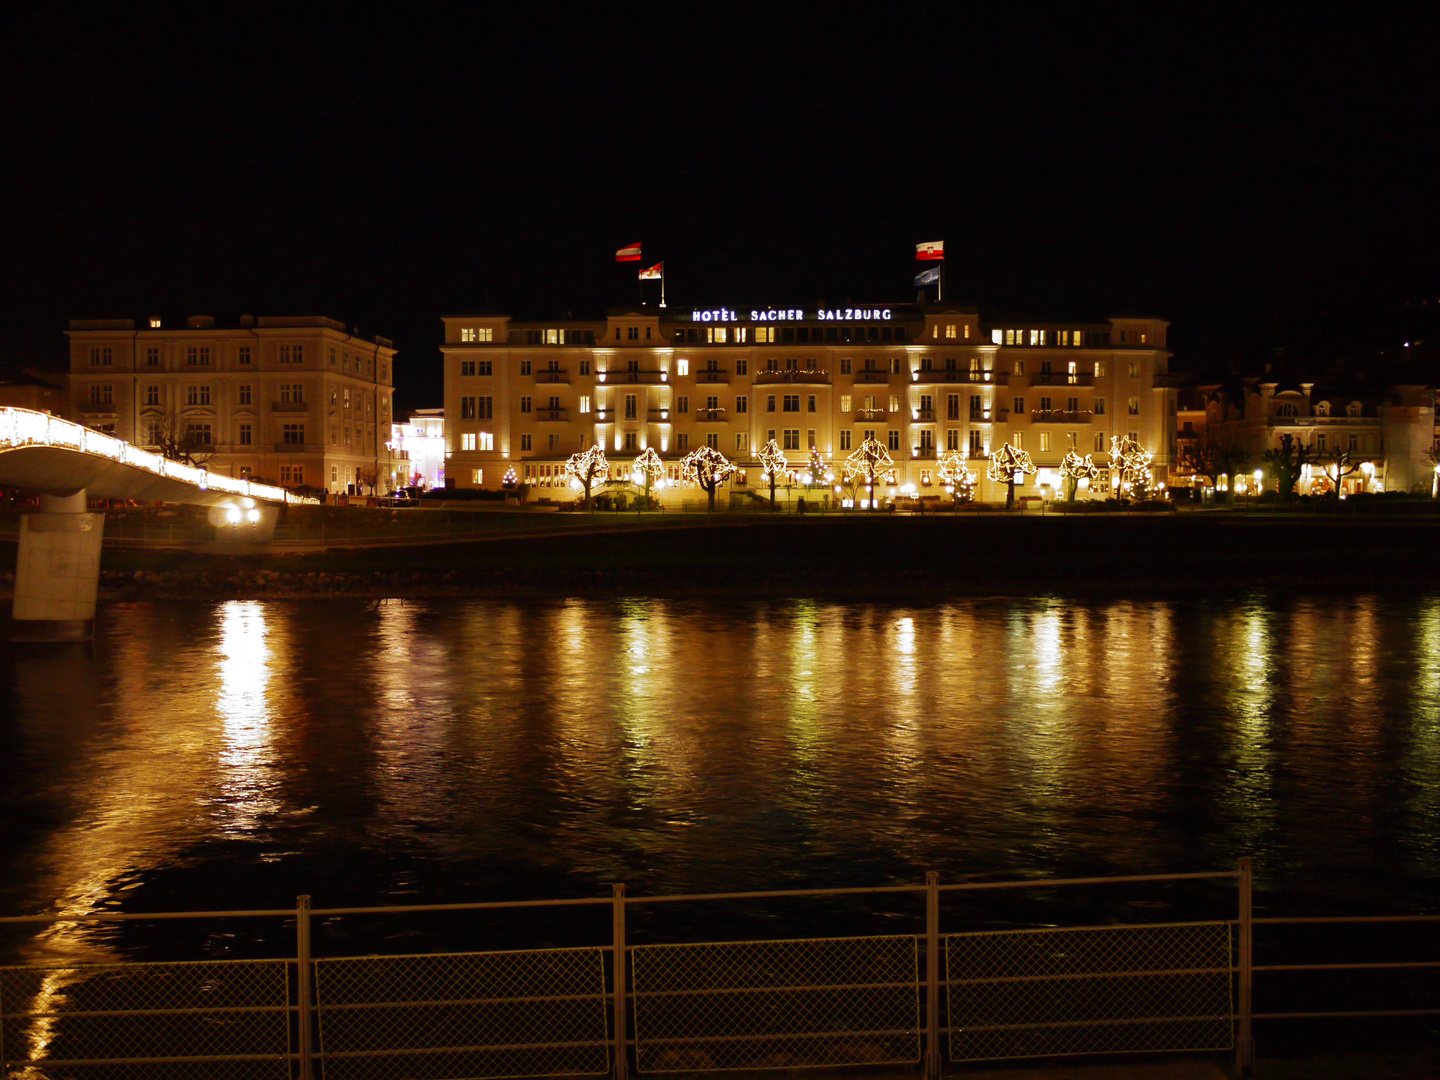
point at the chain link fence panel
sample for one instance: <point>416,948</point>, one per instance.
<point>176,1020</point>
<point>776,1004</point>
<point>1089,990</point>
<point>529,1013</point>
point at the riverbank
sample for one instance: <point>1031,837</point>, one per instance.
<point>835,556</point>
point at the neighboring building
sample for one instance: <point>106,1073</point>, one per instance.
<point>920,379</point>
<point>298,401</point>
<point>41,391</point>
<point>1392,428</point>
<point>421,440</point>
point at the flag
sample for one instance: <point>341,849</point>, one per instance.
<point>928,276</point>
<point>629,254</point>
<point>935,249</point>
<point>658,270</point>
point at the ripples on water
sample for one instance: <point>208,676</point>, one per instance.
<point>236,754</point>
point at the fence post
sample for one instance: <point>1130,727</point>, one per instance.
<point>932,974</point>
<point>1244,1040</point>
<point>622,1062</point>
<point>302,955</point>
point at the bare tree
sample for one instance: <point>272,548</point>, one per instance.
<point>1287,462</point>
<point>586,468</point>
<point>1335,467</point>
<point>1004,464</point>
<point>1212,456</point>
<point>368,476</point>
<point>707,467</point>
<point>181,439</point>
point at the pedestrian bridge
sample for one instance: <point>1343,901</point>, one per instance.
<point>39,452</point>
<point>57,570</point>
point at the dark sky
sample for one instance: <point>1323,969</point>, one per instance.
<point>1259,178</point>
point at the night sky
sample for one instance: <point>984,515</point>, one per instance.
<point>1260,180</point>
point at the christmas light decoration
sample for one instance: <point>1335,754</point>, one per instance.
<point>1004,464</point>
<point>707,467</point>
<point>1130,468</point>
<point>509,479</point>
<point>1075,468</point>
<point>773,462</point>
<point>648,469</point>
<point>955,472</point>
<point>587,467</point>
<point>869,463</point>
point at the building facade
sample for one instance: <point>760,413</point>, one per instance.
<point>421,441</point>
<point>298,401</point>
<point>522,397</point>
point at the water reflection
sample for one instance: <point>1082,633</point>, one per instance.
<point>407,748</point>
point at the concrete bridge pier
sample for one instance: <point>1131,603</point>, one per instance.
<point>57,573</point>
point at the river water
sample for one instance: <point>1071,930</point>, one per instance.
<point>232,755</point>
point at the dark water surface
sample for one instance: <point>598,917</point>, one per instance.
<point>222,755</point>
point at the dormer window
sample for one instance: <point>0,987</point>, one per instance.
<point>1354,409</point>
<point>1322,409</point>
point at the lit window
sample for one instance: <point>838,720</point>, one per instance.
<point>1134,370</point>
<point>1099,369</point>
<point>467,333</point>
<point>1134,408</point>
<point>742,442</point>
<point>477,476</point>
<point>716,334</point>
<point>1017,440</point>
<point>552,337</point>
<point>950,330</point>
<point>584,403</point>
<point>154,323</point>
<point>1044,442</point>
<point>682,367</point>
<point>741,333</point>
<point>997,337</point>
<point>764,334</point>
<point>468,441</point>
<point>487,440</point>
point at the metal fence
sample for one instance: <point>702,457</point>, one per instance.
<point>894,998</point>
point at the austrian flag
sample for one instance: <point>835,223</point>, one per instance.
<point>629,254</point>
<point>654,273</point>
<point>935,249</point>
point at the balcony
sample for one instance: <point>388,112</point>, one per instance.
<point>643,378</point>
<point>716,376</point>
<point>552,415</point>
<point>710,416</point>
<point>922,453</point>
<point>871,416</point>
<point>1061,378</point>
<point>981,378</point>
<point>299,448</point>
<point>552,377</point>
<point>990,416</point>
<point>814,377</point>
<point>923,416</point>
<point>872,376</point>
<point>1060,416</point>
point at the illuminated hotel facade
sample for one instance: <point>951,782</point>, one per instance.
<point>919,378</point>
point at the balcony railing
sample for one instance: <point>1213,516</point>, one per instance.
<point>870,416</point>
<point>552,377</point>
<point>1061,378</point>
<point>710,415</point>
<point>872,376</point>
<point>983,378</point>
<point>551,414</point>
<point>989,416</point>
<point>924,416</point>
<point>818,377</point>
<point>299,448</point>
<point>646,378</point>
<point>1060,416</point>
<point>716,376</point>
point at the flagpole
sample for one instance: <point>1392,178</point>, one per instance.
<point>940,284</point>
<point>662,283</point>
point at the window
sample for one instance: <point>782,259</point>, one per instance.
<point>952,438</point>
<point>894,403</point>
<point>468,441</point>
<point>742,442</point>
<point>712,403</point>
<point>1134,406</point>
<point>1353,409</point>
<point>524,404</point>
<point>742,403</point>
<point>682,404</point>
<point>950,330</point>
<point>292,434</point>
<point>845,439</point>
<point>198,434</point>
<point>292,354</point>
<point>584,367</point>
<point>197,395</point>
<point>152,395</point>
<point>467,408</point>
<point>811,404</point>
<point>1099,407</point>
<point>810,438</point>
<point>894,439</point>
<point>1045,404</point>
<point>102,356</point>
<point>477,476</point>
<point>1320,443</point>
<point>792,403</point>
<point>467,367</point>
<point>1019,403</point>
<point>632,333</point>
<point>1134,436</point>
<point>524,367</point>
<point>765,334</point>
<point>1099,369</point>
<point>742,367</point>
<point>1044,442</point>
<point>101,394</point>
<point>197,356</point>
<point>682,442</point>
<point>712,440</point>
<point>1134,370</point>
<point>977,444</point>
<point>792,439</point>
<point>487,440</point>
<point>770,403</point>
<point>682,367</point>
<point>292,393</point>
<point>152,355</point>
<point>630,406</point>
<point>997,337</point>
<point>247,435</point>
<point>584,403</point>
<point>952,407</point>
<point>1073,373</point>
<point>1017,440</point>
<point>895,365</point>
<point>1072,404</point>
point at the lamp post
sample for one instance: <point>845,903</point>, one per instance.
<point>1258,474</point>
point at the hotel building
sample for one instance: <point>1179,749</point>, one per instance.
<point>919,378</point>
<point>298,401</point>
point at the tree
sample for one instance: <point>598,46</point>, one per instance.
<point>955,472</point>
<point>1132,463</point>
<point>1075,468</point>
<point>1433,456</point>
<point>179,439</point>
<point>867,464</point>
<point>1212,456</point>
<point>368,476</point>
<point>818,474</point>
<point>1335,467</point>
<point>1287,462</point>
<point>586,467</point>
<point>648,469</point>
<point>1004,464</point>
<point>707,467</point>
<point>773,462</point>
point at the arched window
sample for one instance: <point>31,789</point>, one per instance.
<point>1286,408</point>
<point>1322,408</point>
<point>1354,409</point>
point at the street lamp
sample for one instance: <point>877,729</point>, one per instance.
<point>1258,474</point>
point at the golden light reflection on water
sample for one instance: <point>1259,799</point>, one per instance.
<point>689,744</point>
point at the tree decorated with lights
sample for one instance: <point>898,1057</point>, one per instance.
<point>647,470</point>
<point>1004,464</point>
<point>818,474</point>
<point>509,479</point>
<point>868,464</point>
<point>707,467</point>
<point>586,468</point>
<point>773,462</point>
<point>1075,468</point>
<point>955,472</point>
<point>1130,462</point>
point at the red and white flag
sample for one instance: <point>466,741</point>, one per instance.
<point>629,254</point>
<point>653,273</point>
<point>935,249</point>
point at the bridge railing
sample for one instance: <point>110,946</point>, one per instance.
<point>25,427</point>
